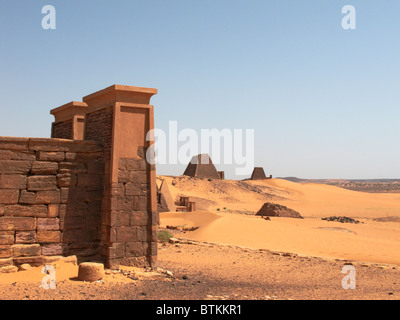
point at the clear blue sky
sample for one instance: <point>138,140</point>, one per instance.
<point>324,102</point>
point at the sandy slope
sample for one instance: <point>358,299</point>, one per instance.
<point>311,200</point>
<point>370,241</point>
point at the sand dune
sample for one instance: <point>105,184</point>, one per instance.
<point>370,241</point>
<point>311,200</point>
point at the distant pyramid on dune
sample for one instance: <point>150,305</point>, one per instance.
<point>201,166</point>
<point>258,174</point>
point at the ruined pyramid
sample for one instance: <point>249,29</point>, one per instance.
<point>201,166</point>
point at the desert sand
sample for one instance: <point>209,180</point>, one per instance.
<point>235,255</point>
<point>225,222</point>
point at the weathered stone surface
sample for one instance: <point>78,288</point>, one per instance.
<point>25,250</point>
<point>96,167</point>
<point>50,156</point>
<point>6,155</point>
<point>5,251</point>
<point>34,261</point>
<point>53,249</point>
<point>24,267</point>
<point>9,269</point>
<point>71,156</point>
<point>27,197</point>
<point>67,180</point>
<point>80,235</point>
<point>17,224</point>
<point>275,210</point>
<point>48,236</point>
<point>12,181</point>
<point>41,183</point>
<point>14,167</point>
<point>44,168</point>
<point>11,143</point>
<point>6,262</point>
<point>48,197</point>
<point>140,203</point>
<point>26,211</point>
<point>134,249</point>
<point>126,234</point>
<point>6,237</point>
<point>9,196</point>
<point>25,237</point>
<point>90,271</point>
<point>48,224</point>
<point>139,218</point>
<point>89,180</point>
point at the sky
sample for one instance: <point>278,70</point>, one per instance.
<point>323,101</point>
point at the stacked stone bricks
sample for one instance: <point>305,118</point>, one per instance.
<point>50,199</point>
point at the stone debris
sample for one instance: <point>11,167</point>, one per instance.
<point>24,267</point>
<point>341,219</point>
<point>270,209</point>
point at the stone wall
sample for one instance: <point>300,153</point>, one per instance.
<point>62,130</point>
<point>93,196</point>
<point>50,199</point>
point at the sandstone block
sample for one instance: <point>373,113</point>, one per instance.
<point>11,143</point>
<point>48,224</point>
<point>53,210</point>
<point>17,224</point>
<point>6,237</point>
<point>14,167</point>
<point>50,156</point>
<point>25,250</point>
<point>48,236</point>
<point>67,180</point>
<point>41,183</point>
<point>48,197</point>
<point>27,197</point>
<point>24,267</point>
<point>54,249</point>
<point>9,196</point>
<point>5,251</point>
<point>26,211</point>
<point>9,269</point>
<point>134,249</point>
<point>127,234</point>
<point>139,218</point>
<point>25,237</point>
<point>12,181</point>
<point>6,262</point>
<point>34,261</point>
<point>90,271</point>
<point>44,168</point>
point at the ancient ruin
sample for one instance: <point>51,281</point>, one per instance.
<point>201,166</point>
<point>89,190</point>
<point>276,210</point>
<point>259,174</point>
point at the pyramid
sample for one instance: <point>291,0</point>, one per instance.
<point>258,174</point>
<point>165,201</point>
<point>201,166</point>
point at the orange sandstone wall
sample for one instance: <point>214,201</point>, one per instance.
<point>50,199</point>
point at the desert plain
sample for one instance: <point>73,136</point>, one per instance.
<point>223,251</point>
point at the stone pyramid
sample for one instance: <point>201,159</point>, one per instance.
<point>201,166</point>
<point>258,174</point>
